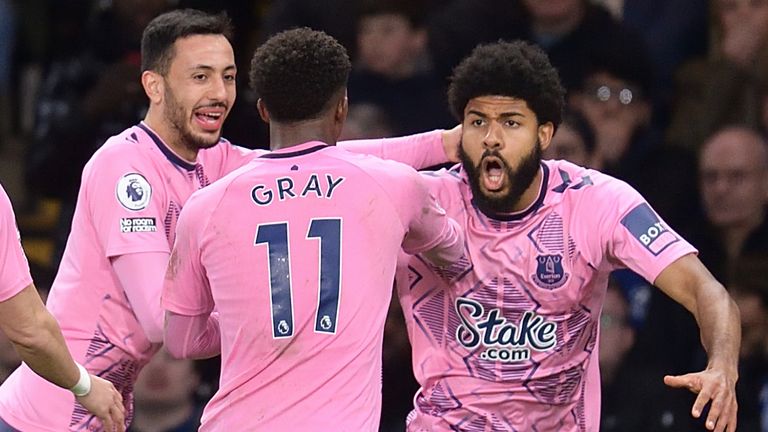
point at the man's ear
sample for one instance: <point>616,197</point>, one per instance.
<point>342,108</point>
<point>154,86</point>
<point>545,133</point>
<point>262,109</point>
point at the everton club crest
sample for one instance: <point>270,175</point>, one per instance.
<point>549,271</point>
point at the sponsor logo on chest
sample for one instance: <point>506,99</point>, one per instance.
<point>500,339</point>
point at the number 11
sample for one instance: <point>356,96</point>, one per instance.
<point>275,235</point>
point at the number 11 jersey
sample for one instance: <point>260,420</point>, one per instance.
<point>297,252</point>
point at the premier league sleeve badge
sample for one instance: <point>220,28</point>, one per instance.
<point>133,191</point>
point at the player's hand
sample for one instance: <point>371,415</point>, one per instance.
<point>711,385</point>
<point>451,143</point>
<point>106,403</point>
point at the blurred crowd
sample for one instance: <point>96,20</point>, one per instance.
<point>670,96</point>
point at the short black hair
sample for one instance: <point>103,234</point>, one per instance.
<point>164,30</point>
<point>515,69</point>
<point>297,72</point>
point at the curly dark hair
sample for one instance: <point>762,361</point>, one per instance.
<point>297,72</point>
<point>163,31</point>
<point>516,69</point>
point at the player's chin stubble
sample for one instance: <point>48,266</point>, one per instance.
<point>177,117</point>
<point>519,179</point>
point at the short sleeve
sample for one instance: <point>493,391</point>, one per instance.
<point>635,236</point>
<point>128,203</point>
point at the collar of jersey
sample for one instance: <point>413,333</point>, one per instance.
<point>169,154</point>
<point>294,151</point>
<point>508,217</point>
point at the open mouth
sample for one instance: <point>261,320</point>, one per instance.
<point>210,119</point>
<point>493,173</point>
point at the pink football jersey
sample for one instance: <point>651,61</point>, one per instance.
<point>14,269</point>
<point>132,191</point>
<point>504,339</point>
<point>297,252</point>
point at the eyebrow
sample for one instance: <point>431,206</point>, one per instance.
<point>502,115</point>
<point>211,68</point>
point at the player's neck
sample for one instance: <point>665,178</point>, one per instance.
<point>531,195</point>
<point>284,135</point>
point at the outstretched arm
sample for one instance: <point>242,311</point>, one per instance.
<point>689,283</point>
<point>418,151</point>
<point>37,338</point>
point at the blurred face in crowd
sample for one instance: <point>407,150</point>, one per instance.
<point>733,167</point>
<point>197,92</point>
<point>502,142</point>
<point>166,382</point>
<point>388,44</point>
<point>733,13</point>
<point>569,145</point>
<point>615,109</point>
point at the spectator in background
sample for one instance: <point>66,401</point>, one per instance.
<point>574,140</point>
<point>749,288</point>
<point>165,396</point>
<point>723,88</point>
<point>392,69</point>
<point>615,96</point>
<point>733,164</point>
<point>674,31</point>
<point>733,178</point>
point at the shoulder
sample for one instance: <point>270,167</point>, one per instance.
<point>374,167</point>
<point>581,192</point>
<point>571,179</point>
<point>127,149</point>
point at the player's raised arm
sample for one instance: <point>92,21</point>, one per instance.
<point>430,231</point>
<point>688,282</point>
<point>418,151</point>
